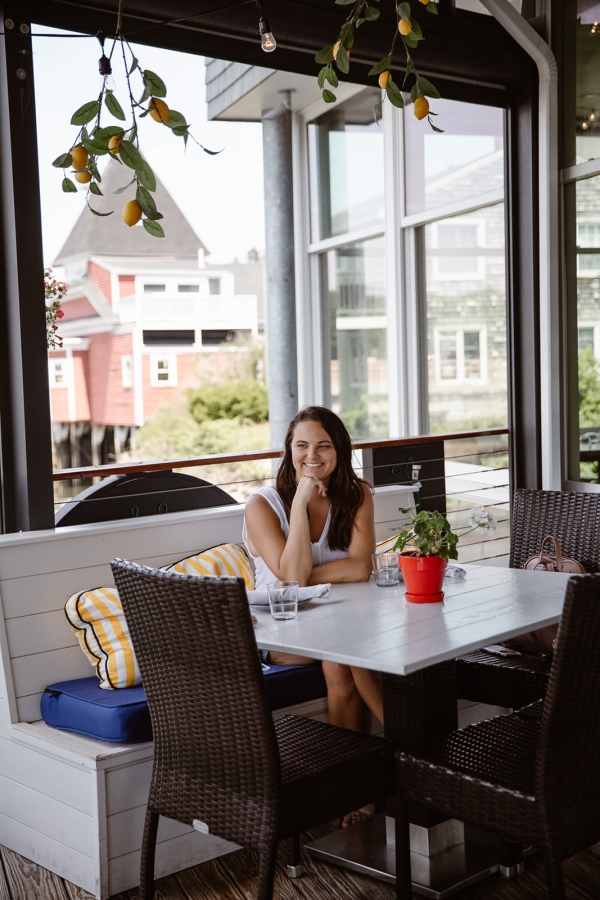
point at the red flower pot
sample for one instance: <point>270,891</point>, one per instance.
<point>423,577</point>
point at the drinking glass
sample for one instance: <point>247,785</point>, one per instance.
<point>283,599</point>
<point>385,569</point>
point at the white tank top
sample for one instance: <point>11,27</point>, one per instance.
<point>321,552</point>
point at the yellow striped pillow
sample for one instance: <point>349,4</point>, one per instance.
<point>226,559</point>
<point>386,546</point>
<point>96,617</point>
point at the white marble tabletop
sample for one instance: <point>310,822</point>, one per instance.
<point>376,628</point>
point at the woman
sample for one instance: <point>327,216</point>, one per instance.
<point>315,526</point>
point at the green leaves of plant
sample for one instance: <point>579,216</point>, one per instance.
<point>147,204</point>
<point>426,88</point>
<point>130,154</point>
<point>68,186</point>
<point>371,13</point>
<point>114,107</point>
<point>342,60</point>
<point>325,55</point>
<point>85,113</point>
<point>63,161</point>
<point>404,10</point>
<point>95,189</point>
<point>394,95</point>
<point>328,97</point>
<point>432,8</point>
<point>382,66</point>
<point>153,228</point>
<point>155,85</point>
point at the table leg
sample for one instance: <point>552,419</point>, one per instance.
<point>417,708</point>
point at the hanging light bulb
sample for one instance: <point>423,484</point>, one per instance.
<point>267,39</point>
<point>584,125</point>
<point>105,68</point>
<point>592,115</point>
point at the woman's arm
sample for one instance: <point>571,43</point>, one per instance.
<point>357,566</point>
<point>291,558</point>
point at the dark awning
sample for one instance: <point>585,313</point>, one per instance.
<point>459,47</point>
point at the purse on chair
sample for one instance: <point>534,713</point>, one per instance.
<point>542,640</point>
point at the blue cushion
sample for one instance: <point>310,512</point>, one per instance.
<point>82,706</point>
<point>123,716</point>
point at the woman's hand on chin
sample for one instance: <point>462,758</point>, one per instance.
<point>307,485</point>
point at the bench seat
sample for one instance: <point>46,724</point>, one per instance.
<point>122,716</point>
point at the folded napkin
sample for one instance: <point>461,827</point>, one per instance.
<point>261,598</point>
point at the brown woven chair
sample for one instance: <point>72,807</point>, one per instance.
<point>220,761</point>
<point>572,518</point>
<point>534,775</point>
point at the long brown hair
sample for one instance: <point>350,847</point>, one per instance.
<point>345,488</point>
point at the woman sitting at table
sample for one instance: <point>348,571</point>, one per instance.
<point>315,526</point>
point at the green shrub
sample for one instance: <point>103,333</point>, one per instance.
<point>246,401</point>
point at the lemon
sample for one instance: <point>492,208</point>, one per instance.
<point>80,157</point>
<point>384,79</point>
<point>115,142</point>
<point>159,110</point>
<point>421,107</point>
<point>424,2</point>
<point>83,177</point>
<point>131,212</point>
<point>404,26</point>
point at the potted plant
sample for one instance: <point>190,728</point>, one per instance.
<point>426,545</point>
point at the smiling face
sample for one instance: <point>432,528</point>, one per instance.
<point>313,453</point>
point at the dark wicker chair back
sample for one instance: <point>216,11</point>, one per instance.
<point>211,720</point>
<point>572,518</point>
<point>534,775</point>
<point>568,762</point>
<point>221,763</point>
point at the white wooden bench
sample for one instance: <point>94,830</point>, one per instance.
<point>72,804</point>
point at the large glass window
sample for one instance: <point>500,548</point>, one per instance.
<point>346,168</point>
<point>588,324</point>
<point>587,77</point>
<point>463,163</point>
<point>466,321</point>
<point>357,337</point>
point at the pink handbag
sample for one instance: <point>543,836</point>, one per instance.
<point>554,562</point>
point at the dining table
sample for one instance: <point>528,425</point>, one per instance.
<point>414,645</point>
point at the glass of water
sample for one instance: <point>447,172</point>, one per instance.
<point>283,599</point>
<point>385,569</point>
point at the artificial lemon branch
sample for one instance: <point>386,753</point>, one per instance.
<point>122,141</point>
<point>408,29</point>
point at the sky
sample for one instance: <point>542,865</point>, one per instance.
<point>221,196</point>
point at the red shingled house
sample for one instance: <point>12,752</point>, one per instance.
<point>139,314</point>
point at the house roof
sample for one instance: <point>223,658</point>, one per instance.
<point>109,236</point>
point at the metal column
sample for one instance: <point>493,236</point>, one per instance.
<point>282,370</point>
<point>26,498</point>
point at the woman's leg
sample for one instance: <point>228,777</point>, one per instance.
<point>288,659</point>
<point>345,705</point>
<point>370,687</point>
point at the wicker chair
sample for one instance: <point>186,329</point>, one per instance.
<point>572,518</point>
<point>220,761</point>
<point>534,775</point>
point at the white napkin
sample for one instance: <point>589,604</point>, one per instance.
<point>261,598</point>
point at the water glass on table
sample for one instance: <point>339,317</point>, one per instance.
<point>283,599</point>
<point>385,569</point>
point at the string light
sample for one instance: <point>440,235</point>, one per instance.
<point>267,38</point>
<point>105,68</point>
<point>594,29</point>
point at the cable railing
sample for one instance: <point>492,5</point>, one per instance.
<point>456,472</point>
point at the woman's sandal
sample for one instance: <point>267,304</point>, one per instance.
<point>358,815</point>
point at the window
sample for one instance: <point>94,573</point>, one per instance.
<point>188,288</point>
<point>455,250</point>
<point>184,337</point>
<point>459,355</point>
<point>358,337</point>
<point>211,337</point>
<point>127,371</point>
<point>346,167</point>
<point>214,285</point>
<point>155,288</point>
<point>163,371</point>
<point>57,372</point>
<point>588,239</point>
